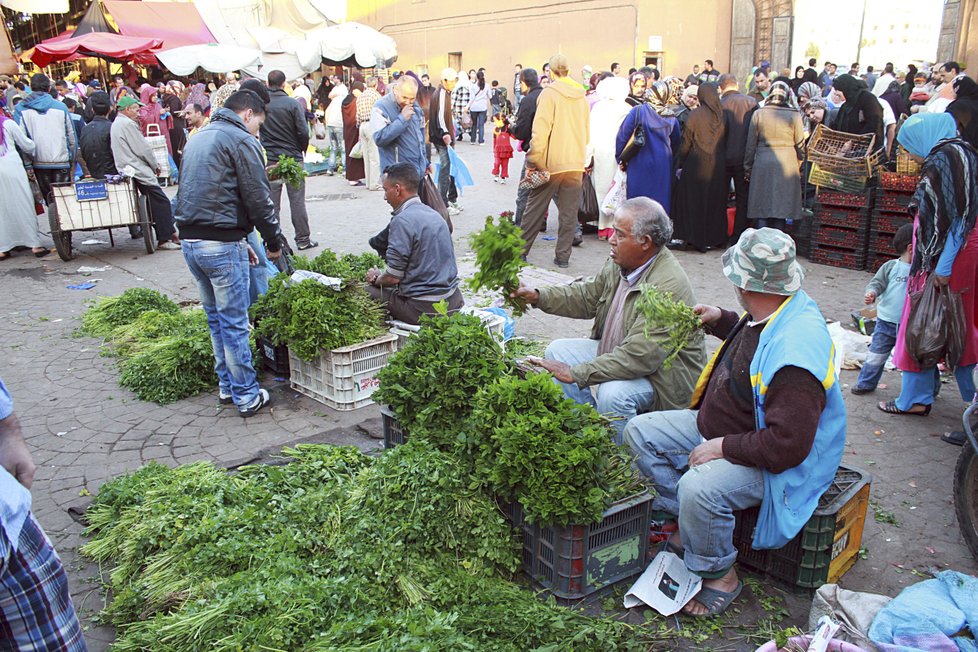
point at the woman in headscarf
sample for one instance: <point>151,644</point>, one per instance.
<point>798,79</point>
<point>775,145</point>
<point>18,222</point>
<point>688,101</point>
<point>151,114</point>
<point>173,104</point>
<point>606,117</point>
<point>965,109</point>
<point>893,97</point>
<point>650,172</point>
<point>198,96</point>
<point>355,171</point>
<point>906,88</point>
<point>700,201</point>
<point>806,93</point>
<point>860,112</point>
<point>636,85</point>
<point>945,248</point>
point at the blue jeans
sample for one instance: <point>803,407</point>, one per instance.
<point>258,275</point>
<point>337,148</point>
<point>478,126</point>
<point>222,273</point>
<point>884,338</point>
<point>444,171</point>
<point>619,399</point>
<point>703,498</point>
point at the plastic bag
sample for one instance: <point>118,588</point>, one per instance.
<point>357,151</point>
<point>617,194</point>
<point>956,326</point>
<point>927,324</point>
<point>588,209</point>
<point>429,196</point>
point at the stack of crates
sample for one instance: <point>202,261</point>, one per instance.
<point>840,229</point>
<point>889,214</point>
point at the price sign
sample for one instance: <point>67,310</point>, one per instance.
<point>91,191</point>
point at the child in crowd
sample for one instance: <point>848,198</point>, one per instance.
<point>502,148</point>
<point>889,289</point>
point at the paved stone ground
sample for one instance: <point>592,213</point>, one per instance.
<point>83,428</point>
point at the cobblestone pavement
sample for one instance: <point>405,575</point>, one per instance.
<point>83,428</point>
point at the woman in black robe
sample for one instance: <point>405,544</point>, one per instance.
<point>355,171</point>
<point>965,109</point>
<point>700,197</point>
<point>861,113</point>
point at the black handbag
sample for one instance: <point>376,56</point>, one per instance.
<point>634,144</point>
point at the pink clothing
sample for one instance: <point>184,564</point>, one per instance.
<point>150,114</point>
<point>964,279</point>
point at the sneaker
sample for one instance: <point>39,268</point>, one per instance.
<point>312,244</point>
<point>455,205</point>
<point>224,399</point>
<point>859,391</point>
<point>495,179</point>
<point>261,401</point>
<point>578,240</point>
<point>453,211</point>
<point>168,246</point>
<point>561,264</point>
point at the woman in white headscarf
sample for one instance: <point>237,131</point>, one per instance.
<point>607,115</point>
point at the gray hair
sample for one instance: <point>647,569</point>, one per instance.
<point>371,81</point>
<point>648,218</point>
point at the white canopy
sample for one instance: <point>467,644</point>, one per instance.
<point>212,57</point>
<point>37,6</point>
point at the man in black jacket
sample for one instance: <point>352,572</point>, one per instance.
<point>441,132</point>
<point>523,129</point>
<point>738,109</point>
<point>223,195</point>
<point>285,133</point>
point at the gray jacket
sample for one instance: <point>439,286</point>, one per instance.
<point>130,148</point>
<point>420,253</point>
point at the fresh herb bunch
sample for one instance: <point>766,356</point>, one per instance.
<point>107,313</point>
<point>430,383</point>
<point>332,551</point>
<point>347,267</point>
<point>360,264</point>
<point>311,318</point>
<point>289,170</point>
<point>531,444</point>
<point>499,259</point>
<point>663,313</point>
<point>164,368</point>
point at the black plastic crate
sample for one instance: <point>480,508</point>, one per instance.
<point>573,562</point>
<point>892,200</point>
<point>875,260</point>
<point>838,257</point>
<point>800,230</point>
<point>858,200</point>
<point>881,243</point>
<point>394,433</point>
<point>844,218</point>
<point>888,221</point>
<point>826,547</point>
<point>835,236</point>
<point>274,358</point>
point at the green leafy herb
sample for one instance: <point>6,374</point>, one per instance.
<point>347,267</point>
<point>499,259</point>
<point>108,313</point>
<point>289,170</point>
<point>665,314</point>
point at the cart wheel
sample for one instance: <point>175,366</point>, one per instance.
<point>62,239</point>
<point>149,236</point>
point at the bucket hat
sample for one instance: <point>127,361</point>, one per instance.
<point>763,260</point>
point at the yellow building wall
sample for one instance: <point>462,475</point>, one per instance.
<point>590,32</point>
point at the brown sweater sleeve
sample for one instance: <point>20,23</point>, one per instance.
<point>728,319</point>
<point>794,404</point>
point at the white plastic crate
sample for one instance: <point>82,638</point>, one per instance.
<point>495,324</point>
<point>343,378</point>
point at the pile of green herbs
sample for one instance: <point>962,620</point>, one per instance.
<point>332,551</point>
<point>499,258</point>
<point>310,317</point>
<point>453,387</point>
<point>164,353</point>
<point>288,170</point>
<point>667,316</point>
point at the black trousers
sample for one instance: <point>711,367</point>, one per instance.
<point>47,178</point>
<point>160,212</point>
<point>741,189</point>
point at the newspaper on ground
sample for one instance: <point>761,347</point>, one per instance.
<point>666,585</point>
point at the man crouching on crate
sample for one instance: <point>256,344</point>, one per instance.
<point>767,425</point>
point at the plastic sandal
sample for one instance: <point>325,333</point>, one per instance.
<point>716,601</point>
<point>890,407</point>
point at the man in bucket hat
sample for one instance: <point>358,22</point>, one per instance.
<point>766,425</point>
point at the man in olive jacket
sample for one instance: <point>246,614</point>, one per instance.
<point>622,364</point>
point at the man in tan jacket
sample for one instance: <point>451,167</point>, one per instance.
<point>561,131</point>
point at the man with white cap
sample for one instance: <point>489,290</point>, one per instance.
<point>766,427</point>
<point>441,132</point>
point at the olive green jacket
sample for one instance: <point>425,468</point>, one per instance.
<point>637,355</point>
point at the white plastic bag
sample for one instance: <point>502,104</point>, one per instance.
<point>616,194</point>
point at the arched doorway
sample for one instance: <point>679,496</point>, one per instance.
<point>742,25</point>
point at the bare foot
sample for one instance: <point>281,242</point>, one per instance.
<point>727,583</point>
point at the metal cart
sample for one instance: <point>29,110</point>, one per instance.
<point>92,205</point>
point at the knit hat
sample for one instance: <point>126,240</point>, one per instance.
<point>763,260</point>
<point>126,101</point>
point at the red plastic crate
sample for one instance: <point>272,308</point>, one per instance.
<point>893,200</point>
<point>843,199</point>
<point>885,222</point>
<point>838,257</point>
<point>840,237</point>
<point>894,181</point>
<point>847,218</point>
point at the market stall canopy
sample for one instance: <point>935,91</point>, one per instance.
<point>94,20</point>
<point>37,6</point>
<point>212,57</point>
<point>96,44</point>
<point>353,44</point>
<point>175,23</point>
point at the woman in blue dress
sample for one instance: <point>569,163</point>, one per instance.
<point>650,172</point>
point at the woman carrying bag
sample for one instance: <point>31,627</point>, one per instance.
<point>945,250</point>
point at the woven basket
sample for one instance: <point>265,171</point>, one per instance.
<point>842,153</point>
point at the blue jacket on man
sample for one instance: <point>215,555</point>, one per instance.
<point>398,140</point>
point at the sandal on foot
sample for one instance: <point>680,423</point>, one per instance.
<point>890,407</point>
<point>716,601</point>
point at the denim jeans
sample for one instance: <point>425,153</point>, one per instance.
<point>258,275</point>
<point>337,148</point>
<point>478,126</point>
<point>884,337</point>
<point>444,171</point>
<point>704,498</point>
<point>619,399</point>
<point>222,275</point>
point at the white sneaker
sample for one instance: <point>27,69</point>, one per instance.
<point>495,179</point>
<point>455,205</point>
<point>453,211</point>
<point>502,182</point>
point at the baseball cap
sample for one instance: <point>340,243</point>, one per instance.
<point>127,101</point>
<point>763,260</point>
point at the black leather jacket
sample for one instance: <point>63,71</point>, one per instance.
<point>96,148</point>
<point>285,130</point>
<point>523,128</point>
<point>224,191</point>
